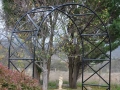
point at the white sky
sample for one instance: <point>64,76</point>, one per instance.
<point>2,21</point>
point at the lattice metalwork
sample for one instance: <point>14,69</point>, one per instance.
<point>72,29</point>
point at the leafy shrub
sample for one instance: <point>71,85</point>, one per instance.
<point>52,85</point>
<point>13,80</point>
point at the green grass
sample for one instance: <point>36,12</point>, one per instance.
<point>115,87</point>
<point>53,85</point>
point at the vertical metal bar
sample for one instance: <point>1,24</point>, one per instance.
<point>82,62</point>
<point>110,76</point>
<point>9,50</point>
<point>82,74</point>
<point>110,68</point>
<point>34,45</point>
<point>9,58</point>
<point>33,61</point>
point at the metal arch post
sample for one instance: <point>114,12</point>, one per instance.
<point>56,8</point>
<point>33,34</point>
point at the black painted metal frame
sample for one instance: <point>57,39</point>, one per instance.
<point>20,45</point>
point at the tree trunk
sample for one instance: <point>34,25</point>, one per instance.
<point>48,67</point>
<point>72,78</point>
<point>45,76</point>
<point>70,72</point>
<point>45,81</point>
<point>36,73</point>
<point>73,73</point>
<point>74,82</point>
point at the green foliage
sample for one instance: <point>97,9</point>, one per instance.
<point>114,30</point>
<point>116,87</point>
<point>113,8</point>
<point>9,8</point>
<point>108,11</point>
<point>7,4</point>
<point>52,85</point>
<point>65,82</point>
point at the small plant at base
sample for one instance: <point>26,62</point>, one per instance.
<point>13,80</point>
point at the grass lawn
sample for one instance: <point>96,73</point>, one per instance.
<point>97,88</point>
<point>53,86</point>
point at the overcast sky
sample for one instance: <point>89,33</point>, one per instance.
<point>116,53</point>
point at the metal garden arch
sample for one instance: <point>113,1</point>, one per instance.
<point>38,25</point>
